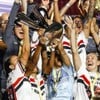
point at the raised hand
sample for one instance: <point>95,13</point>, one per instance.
<point>68,21</point>
<point>93,26</point>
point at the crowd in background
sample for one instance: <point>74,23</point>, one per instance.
<point>47,54</point>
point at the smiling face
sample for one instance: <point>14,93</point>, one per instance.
<point>78,22</point>
<point>19,30</point>
<point>91,62</point>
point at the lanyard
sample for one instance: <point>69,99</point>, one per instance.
<point>56,77</point>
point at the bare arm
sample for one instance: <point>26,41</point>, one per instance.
<point>76,57</point>
<point>36,54</point>
<point>86,28</point>
<point>26,46</point>
<point>56,12</point>
<point>51,12</point>
<point>45,67</point>
<point>51,60</point>
<point>64,55</point>
<point>58,44</point>
<point>91,9</point>
<point>66,7</point>
<point>90,16</point>
<point>24,6</point>
<point>48,61</point>
<point>93,31</point>
<point>83,7</point>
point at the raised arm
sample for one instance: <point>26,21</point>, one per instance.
<point>94,32</point>
<point>75,55</point>
<point>44,61</point>
<point>62,52</point>
<point>47,59</point>
<point>51,11</point>
<point>83,7</point>
<point>89,18</point>
<point>26,46</point>
<point>73,40</point>
<point>56,12</point>
<point>86,28</point>
<point>91,9</point>
<point>10,24</point>
<point>36,54</point>
<point>66,7</point>
<point>48,63</point>
<point>24,6</point>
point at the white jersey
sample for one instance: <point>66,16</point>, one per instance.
<point>82,85</point>
<point>81,41</point>
<point>18,86</point>
<point>38,88</point>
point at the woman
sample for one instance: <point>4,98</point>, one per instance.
<point>18,86</point>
